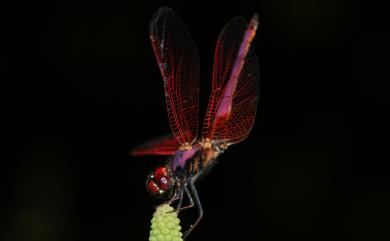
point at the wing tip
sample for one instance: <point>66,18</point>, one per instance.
<point>157,15</point>
<point>164,10</point>
<point>255,17</point>
<point>254,21</point>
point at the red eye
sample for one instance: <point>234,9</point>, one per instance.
<point>163,180</point>
<point>165,183</point>
<point>160,172</point>
<point>153,187</point>
<point>160,183</point>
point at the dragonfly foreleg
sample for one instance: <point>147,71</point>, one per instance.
<point>179,208</point>
<point>177,196</point>
<point>200,209</point>
<point>180,198</point>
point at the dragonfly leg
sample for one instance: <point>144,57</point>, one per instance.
<point>177,196</point>
<point>179,208</point>
<point>200,210</point>
<point>181,192</point>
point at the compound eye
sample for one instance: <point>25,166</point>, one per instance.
<point>163,179</point>
<point>152,187</point>
<point>160,183</point>
<point>160,172</point>
<point>165,183</point>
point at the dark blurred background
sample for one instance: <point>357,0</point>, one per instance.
<point>81,87</point>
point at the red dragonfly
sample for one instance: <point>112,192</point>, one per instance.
<point>230,113</point>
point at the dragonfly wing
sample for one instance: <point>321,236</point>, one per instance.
<point>163,145</point>
<point>178,60</point>
<point>233,101</point>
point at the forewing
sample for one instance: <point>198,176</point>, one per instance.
<point>233,101</point>
<point>178,60</point>
<point>163,145</point>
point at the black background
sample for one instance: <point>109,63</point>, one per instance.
<point>80,87</point>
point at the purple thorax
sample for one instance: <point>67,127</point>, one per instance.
<point>181,157</point>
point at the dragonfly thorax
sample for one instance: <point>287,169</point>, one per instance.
<point>206,143</point>
<point>186,147</point>
<point>191,163</point>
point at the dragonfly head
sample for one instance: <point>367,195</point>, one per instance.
<point>160,183</point>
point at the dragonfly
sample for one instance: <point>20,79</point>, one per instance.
<point>230,112</point>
